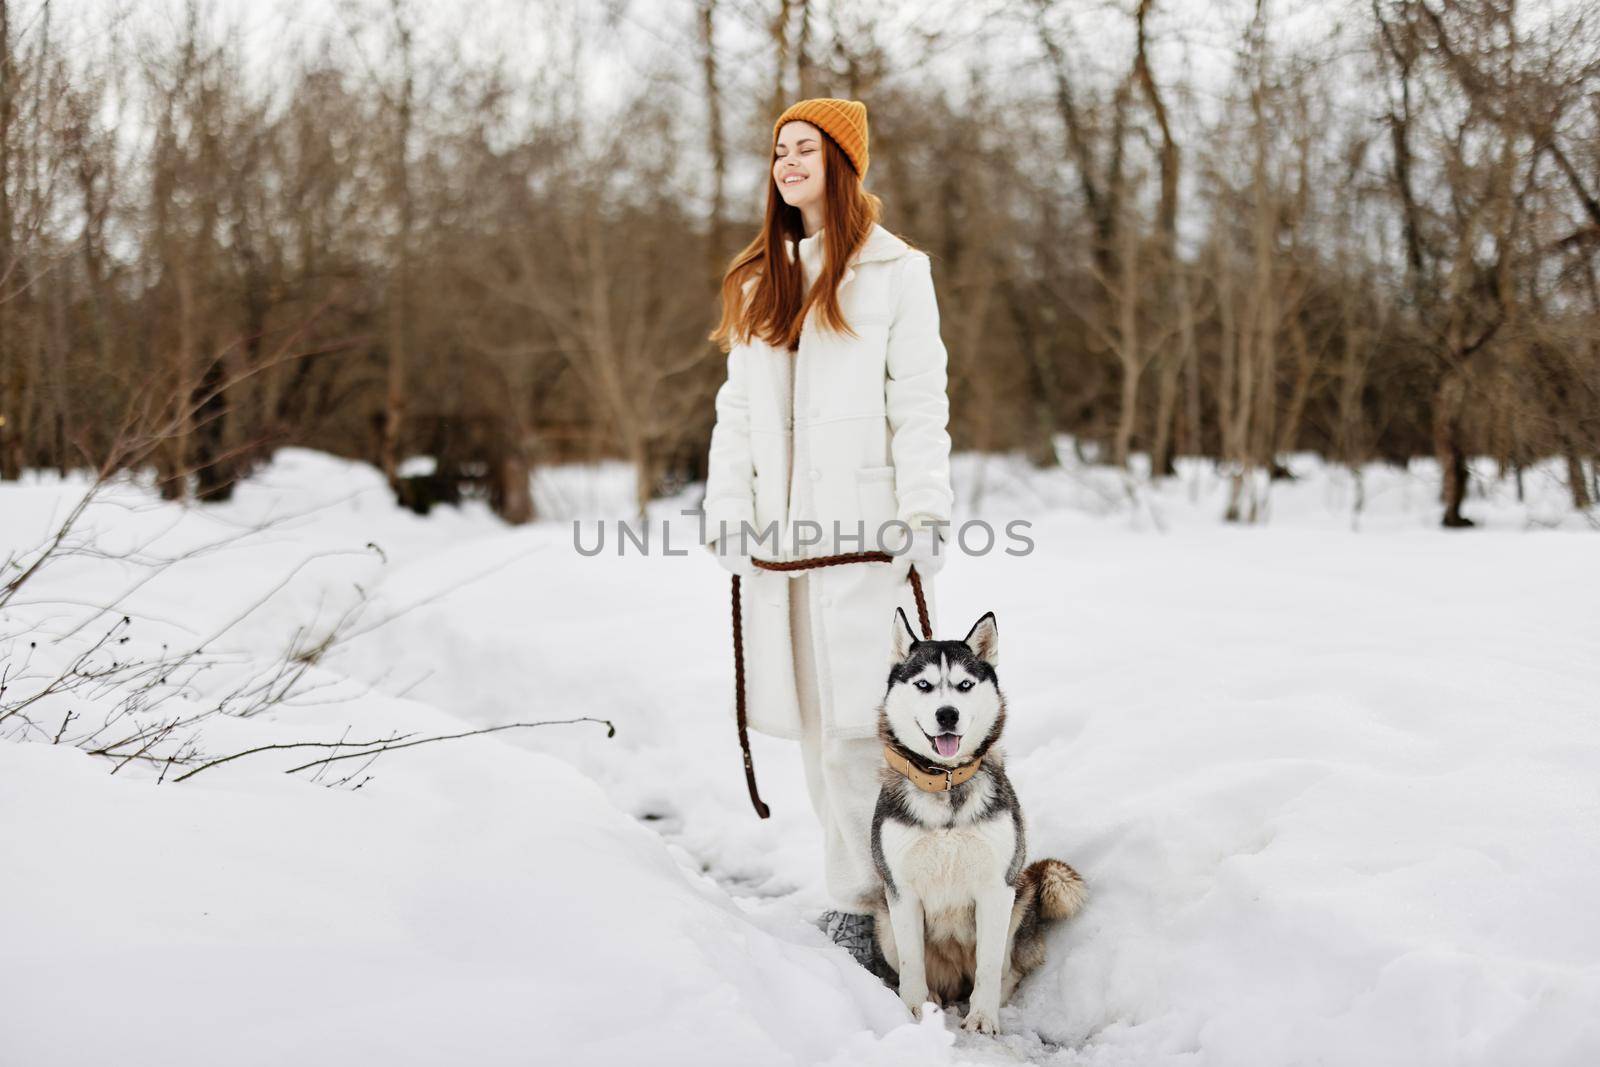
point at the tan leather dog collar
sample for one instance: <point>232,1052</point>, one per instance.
<point>928,781</point>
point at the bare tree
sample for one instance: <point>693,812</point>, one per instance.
<point>486,256</point>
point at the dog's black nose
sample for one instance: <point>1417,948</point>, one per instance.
<point>947,718</point>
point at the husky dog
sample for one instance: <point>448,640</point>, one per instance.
<point>962,917</point>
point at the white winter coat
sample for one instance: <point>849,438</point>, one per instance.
<point>870,436</point>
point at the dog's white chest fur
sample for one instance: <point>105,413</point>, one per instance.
<point>946,867</point>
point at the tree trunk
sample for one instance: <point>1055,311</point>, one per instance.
<point>395,396</point>
<point>1172,368</point>
<point>1581,499</point>
<point>213,471</point>
<point>1447,405</point>
<point>717,248</point>
<point>513,493</point>
<point>1129,341</point>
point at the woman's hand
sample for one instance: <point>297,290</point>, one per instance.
<point>732,559</point>
<point>920,546</point>
<point>926,552</point>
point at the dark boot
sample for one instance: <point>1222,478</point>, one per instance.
<point>854,933</point>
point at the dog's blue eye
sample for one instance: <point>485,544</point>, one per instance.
<point>923,685</point>
<point>964,686</point>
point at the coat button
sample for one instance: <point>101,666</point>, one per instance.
<point>816,475</point>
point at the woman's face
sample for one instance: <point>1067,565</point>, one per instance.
<point>798,166</point>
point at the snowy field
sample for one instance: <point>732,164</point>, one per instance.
<point>1332,782</point>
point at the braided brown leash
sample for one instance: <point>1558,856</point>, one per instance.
<point>738,641</point>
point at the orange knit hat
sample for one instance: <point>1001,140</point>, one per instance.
<point>843,120</point>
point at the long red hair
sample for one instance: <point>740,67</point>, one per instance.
<point>778,302</point>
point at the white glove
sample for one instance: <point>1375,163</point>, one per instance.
<point>732,559</point>
<point>927,553</point>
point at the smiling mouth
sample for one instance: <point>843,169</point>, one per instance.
<point>945,744</point>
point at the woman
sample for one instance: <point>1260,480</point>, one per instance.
<point>830,437</point>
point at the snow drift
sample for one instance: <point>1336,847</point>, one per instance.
<point>1331,782</point>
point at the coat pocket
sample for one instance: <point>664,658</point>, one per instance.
<point>875,497</point>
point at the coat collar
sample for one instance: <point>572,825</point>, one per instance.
<point>880,246</point>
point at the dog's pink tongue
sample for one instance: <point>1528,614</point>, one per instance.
<point>947,744</point>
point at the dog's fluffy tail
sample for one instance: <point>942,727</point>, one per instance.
<point>1060,891</point>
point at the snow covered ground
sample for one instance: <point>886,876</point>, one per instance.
<point>1331,781</point>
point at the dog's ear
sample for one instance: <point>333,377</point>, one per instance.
<point>984,640</point>
<point>904,636</point>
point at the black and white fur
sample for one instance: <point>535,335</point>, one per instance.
<point>963,916</point>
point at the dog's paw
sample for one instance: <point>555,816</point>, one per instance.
<point>914,999</point>
<point>981,1021</point>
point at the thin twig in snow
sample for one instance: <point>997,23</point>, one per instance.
<point>611,731</point>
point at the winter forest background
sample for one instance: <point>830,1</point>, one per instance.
<point>1233,231</point>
